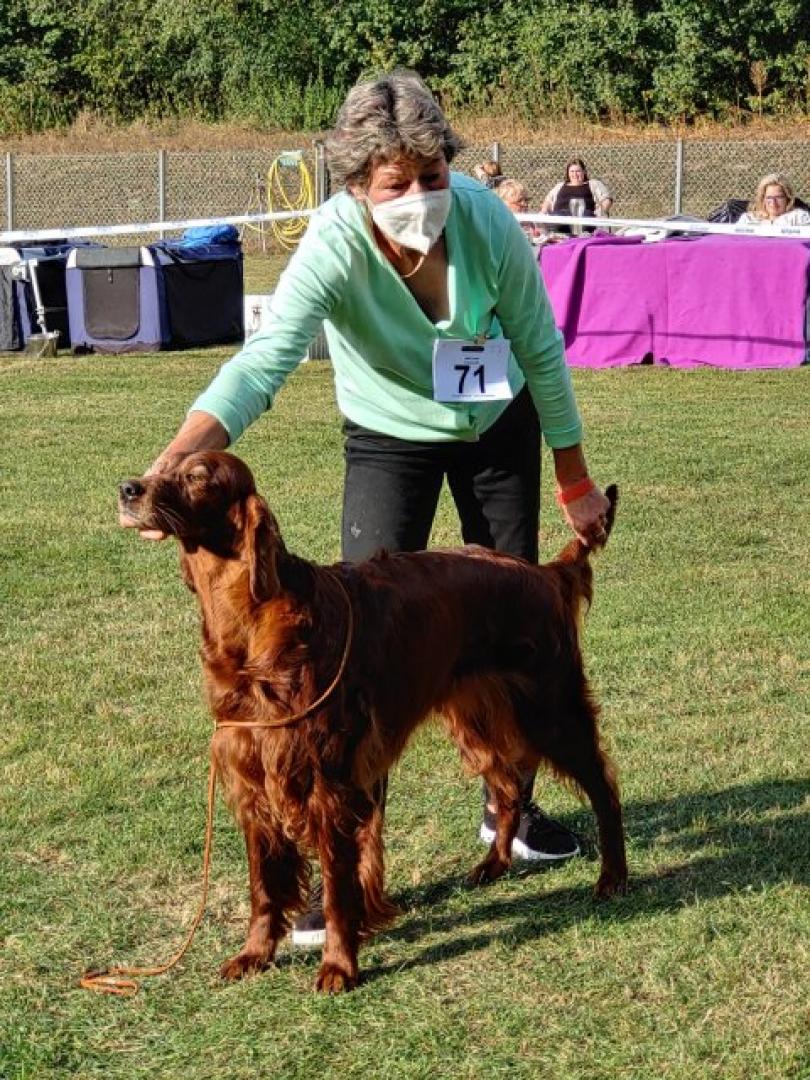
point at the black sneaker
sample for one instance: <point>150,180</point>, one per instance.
<point>309,929</point>
<point>537,838</point>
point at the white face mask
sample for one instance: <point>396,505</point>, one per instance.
<point>415,221</point>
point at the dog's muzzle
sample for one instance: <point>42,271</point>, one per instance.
<point>129,494</point>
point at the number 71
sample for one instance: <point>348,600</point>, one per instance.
<point>476,371</point>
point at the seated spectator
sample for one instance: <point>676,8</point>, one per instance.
<point>577,185</point>
<point>489,173</point>
<point>516,197</point>
<point>774,204</point>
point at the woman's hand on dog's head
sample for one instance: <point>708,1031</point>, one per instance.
<point>163,463</point>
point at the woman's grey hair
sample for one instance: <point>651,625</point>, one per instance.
<point>382,118</point>
<point>780,181</point>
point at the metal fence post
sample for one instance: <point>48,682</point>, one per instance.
<point>9,191</point>
<point>678,175</point>
<point>321,179</point>
<point>161,192</point>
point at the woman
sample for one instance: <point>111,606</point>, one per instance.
<point>577,185</point>
<point>489,173</point>
<point>406,262</point>
<point>516,197</point>
<point>774,204</point>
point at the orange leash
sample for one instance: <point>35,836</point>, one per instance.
<point>119,980</point>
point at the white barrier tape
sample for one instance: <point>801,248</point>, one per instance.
<point>801,232</point>
<point>144,226</point>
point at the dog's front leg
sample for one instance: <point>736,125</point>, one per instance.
<point>342,908</point>
<point>278,876</point>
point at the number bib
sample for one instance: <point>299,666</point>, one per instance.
<point>465,371</point>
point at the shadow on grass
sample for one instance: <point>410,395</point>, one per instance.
<point>762,830</point>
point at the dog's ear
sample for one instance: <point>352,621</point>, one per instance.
<point>262,546</point>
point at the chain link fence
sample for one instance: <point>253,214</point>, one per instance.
<point>656,179</point>
<point>65,191</point>
<point>647,180</point>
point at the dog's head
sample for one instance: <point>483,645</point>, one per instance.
<point>209,502</point>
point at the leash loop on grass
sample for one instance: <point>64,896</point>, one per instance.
<point>120,981</point>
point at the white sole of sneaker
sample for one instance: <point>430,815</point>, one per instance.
<point>520,851</point>
<point>308,939</point>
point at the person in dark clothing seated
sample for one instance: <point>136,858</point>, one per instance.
<point>596,199</point>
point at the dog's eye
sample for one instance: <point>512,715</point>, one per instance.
<point>198,474</point>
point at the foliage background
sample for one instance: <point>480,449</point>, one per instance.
<point>286,63</point>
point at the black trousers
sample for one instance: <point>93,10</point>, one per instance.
<point>392,487</point>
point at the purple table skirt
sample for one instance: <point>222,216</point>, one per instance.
<point>736,302</point>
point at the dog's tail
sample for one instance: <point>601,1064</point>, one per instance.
<point>574,557</point>
<point>576,551</point>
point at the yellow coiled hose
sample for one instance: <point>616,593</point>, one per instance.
<point>289,187</point>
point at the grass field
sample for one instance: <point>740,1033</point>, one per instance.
<point>697,645</point>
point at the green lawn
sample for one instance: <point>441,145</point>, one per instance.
<point>262,271</point>
<point>697,644</point>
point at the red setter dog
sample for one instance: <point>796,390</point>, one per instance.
<point>318,675</point>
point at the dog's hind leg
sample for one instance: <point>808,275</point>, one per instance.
<point>503,785</point>
<point>480,720</point>
<point>378,910</point>
<point>590,768</point>
<point>278,877</point>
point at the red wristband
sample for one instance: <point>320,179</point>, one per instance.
<point>575,491</point>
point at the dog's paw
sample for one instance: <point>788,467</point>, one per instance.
<point>244,963</point>
<point>489,870</point>
<point>610,884</point>
<point>334,980</point>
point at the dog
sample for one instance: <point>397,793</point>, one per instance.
<point>318,675</point>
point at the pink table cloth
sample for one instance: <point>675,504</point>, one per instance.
<point>737,301</point>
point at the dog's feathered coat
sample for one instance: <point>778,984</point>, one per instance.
<point>487,641</point>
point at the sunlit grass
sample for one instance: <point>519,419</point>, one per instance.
<point>697,645</point>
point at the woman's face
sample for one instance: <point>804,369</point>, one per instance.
<point>406,176</point>
<point>576,174</point>
<point>774,201</point>
<point>517,201</point>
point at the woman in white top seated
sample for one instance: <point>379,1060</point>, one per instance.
<point>577,184</point>
<point>775,204</point>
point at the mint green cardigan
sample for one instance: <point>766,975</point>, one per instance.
<point>381,342</point>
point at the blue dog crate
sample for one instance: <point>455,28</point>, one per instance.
<point>115,301</point>
<point>203,292</point>
<point>169,295</point>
